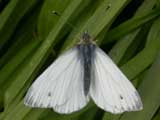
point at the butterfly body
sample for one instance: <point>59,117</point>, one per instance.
<point>86,53</point>
<point>82,73</point>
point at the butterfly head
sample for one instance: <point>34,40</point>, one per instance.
<point>86,38</point>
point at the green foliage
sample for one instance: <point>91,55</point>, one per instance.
<point>31,36</point>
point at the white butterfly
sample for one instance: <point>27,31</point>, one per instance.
<point>81,73</point>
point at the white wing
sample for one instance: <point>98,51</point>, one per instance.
<point>110,89</point>
<point>60,86</point>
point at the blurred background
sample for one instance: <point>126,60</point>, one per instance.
<point>31,37</point>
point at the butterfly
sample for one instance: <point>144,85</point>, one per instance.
<point>82,73</point>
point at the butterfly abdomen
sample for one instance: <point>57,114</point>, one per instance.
<point>86,54</point>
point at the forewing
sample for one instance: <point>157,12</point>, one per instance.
<point>76,98</point>
<point>110,89</point>
<point>60,86</point>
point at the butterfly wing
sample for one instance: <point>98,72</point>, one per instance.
<point>110,89</point>
<point>60,86</point>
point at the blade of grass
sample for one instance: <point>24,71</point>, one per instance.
<point>10,67</point>
<point>25,33</point>
<point>22,36</point>
<point>9,107</point>
<point>89,114</point>
<point>119,49</point>
<point>137,44</point>
<point>10,17</point>
<point>144,58</point>
<point>157,116</point>
<point>49,18</point>
<point>23,45</point>
<point>33,114</point>
<point>133,24</point>
<point>21,48</point>
<point>21,112</point>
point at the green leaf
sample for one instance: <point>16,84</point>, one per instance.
<point>144,58</point>
<point>50,19</point>
<point>10,17</point>
<point>22,36</point>
<point>119,49</point>
<point>157,115</point>
<point>21,48</point>
<point>133,24</point>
